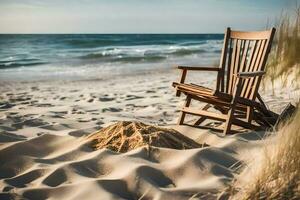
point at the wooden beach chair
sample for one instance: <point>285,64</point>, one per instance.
<point>235,99</point>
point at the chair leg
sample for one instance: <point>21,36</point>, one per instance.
<point>228,122</point>
<point>182,114</point>
<point>230,114</point>
<point>249,115</point>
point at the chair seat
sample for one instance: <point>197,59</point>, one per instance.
<point>206,94</point>
<point>198,90</point>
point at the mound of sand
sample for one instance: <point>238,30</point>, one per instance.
<point>127,135</point>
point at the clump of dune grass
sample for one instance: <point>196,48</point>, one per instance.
<point>285,57</point>
<point>277,174</point>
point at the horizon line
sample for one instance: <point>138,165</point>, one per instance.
<point>106,33</point>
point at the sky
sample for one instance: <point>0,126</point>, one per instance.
<point>138,16</point>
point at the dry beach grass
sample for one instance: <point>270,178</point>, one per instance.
<point>284,58</point>
<point>277,175</point>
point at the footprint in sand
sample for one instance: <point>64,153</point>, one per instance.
<point>95,113</point>
<point>35,122</point>
<point>12,113</point>
<point>90,100</point>
<point>163,87</point>
<point>93,95</point>
<point>10,137</point>
<point>132,97</point>
<point>6,105</point>
<point>76,111</point>
<point>80,112</point>
<point>59,112</point>
<point>20,99</point>
<point>61,116</point>
<point>104,99</point>
<point>150,91</point>
<point>99,122</point>
<point>44,105</point>
<point>35,88</point>
<point>111,109</point>
<point>84,119</point>
<point>9,94</point>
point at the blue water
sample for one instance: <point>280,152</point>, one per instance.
<point>63,53</point>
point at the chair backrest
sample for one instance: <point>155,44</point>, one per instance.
<point>244,52</point>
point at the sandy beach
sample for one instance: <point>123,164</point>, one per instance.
<point>45,154</point>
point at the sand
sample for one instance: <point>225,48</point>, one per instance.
<point>45,149</point>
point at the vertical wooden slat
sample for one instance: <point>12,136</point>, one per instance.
<point>243,44</point>
<point>258,67</point>
<point>260,58</point>
<point>242,68</point>
<point>250,58</point>
<point>255,56</point>
<point>221,74</point>
<point>250,67</point>
<point>228,65</point>
<point>244,55</point>
<point>231,70</point>
<point>254,68</point>
<point>237,62</point>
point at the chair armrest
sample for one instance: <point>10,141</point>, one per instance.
<point>245,75</point>
<point>186,68</point>
<point>199,68</point>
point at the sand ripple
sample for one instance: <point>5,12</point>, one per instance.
<point>65,167</point>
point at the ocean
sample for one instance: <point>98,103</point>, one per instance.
<point>26,56</point>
